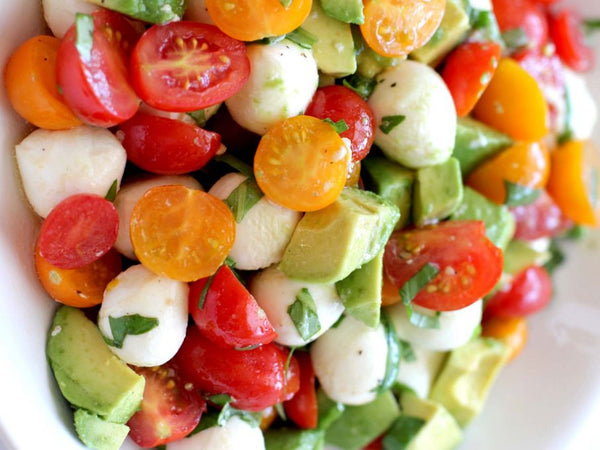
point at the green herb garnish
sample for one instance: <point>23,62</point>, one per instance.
<point>340,126</point>
<point>303,313</point>
<point>418,281</point>
<point>402,432</point>
<point>204,291</point>
<point>363,86</point>
<point>388,123</point>
<point>285,3</point>
<point>518,195</point>
<point>243,198</point>
<point>84,35</point>
<point>302,38</point>
<point>423,320</point>
<point>392,362</point>
<point>132,324</point>
<point>112,191</point>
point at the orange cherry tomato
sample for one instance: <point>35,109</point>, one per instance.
<point>82,287</point>
<point>525,163</point>
<point>390,294</point>
<point>511,331</point>
<point>249,20</point>
<point>269,414</point>
<point>302,163</point>
<point>30,81</point>
<point>184,234</point>
<point>574,182</point>
<point>395,28</point>
<point>514,103</point>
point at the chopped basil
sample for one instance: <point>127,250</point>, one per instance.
<point>402,432</point>
<point>161,447</point>
<point>557,257</point>
<point>208,420</point>
<point>591,26</point>
<point>228,411</point>
<point>285,3</point>
<point>198,116</point>
<point>112,191</point>
<point>84,38</point>
<point>392,361</point>
<point>302,38</point>
<point>419,280</point>
<point>132,324</point>
<point>340,126</point>
<point>406,351</point>
<point>286,367</point>
<point>235,163</point>
<point>243,198</point>
<point>338,322</point>
<point>423,320</point>
<point>576,232</point>
<point>517,194</point>
<point>229,262</point>
<point>280,411</point>
<point>303,313</point>
<point>388,123</point>
<point>480,18</point>
<point>485,24</point>
<point>204,291</point>
<point>363,86</point>
<point>515,39</point>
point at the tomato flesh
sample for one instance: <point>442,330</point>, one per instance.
<point>524,15</point>
<point>302,407</point>
<point>567,33</point>
<point>542,218</point>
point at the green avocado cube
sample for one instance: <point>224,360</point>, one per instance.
<point>519,255</point>
<point>97,433</point>
<point>349,11</point>
<point>294,439</point>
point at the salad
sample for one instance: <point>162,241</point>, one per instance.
<point>339,181</point>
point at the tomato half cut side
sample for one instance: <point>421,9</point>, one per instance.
<point>542,218</point>
<point>187,66</point>
<point>566,30</point>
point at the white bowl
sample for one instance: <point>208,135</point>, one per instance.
<point>549,398</point>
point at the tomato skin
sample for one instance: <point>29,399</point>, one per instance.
<point>524,14</point>
<point>469,264</point>
<point>210,66</point>
<point>512,331</point>
<point>341,103</point>
<point>230,315</point>
<point>167,146</point>
<point>302,407</point>
<point>542,218</point>
<point>567,33</point>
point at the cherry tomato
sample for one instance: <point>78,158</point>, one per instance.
<point>167,146</point>
<point>377,444</point>
<point>390,295</point>
<point>340,103</point>
<point>250,20</point>
<point>96,87</point>
<point>230,315</point>
<point>566,30</point>
<point>542,218</point>
<point>302,408</point>
<point>511,331</point>
<point>170,410</point>
<point>524,15</point>
<point>269,416</point>
<point>186,66</point>
<point>395,28</point>
<point>468,71</point>
<point>78,231</point>
<point>527,293</point>
<point>301,163</point>
<point>182,233</point>
<point>469,264</point>
<point>254,378</point>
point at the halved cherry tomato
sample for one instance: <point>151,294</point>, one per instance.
<point>566,30</point>
<point>377,444</point>
<point>511,331</point>
<point>524,15</point>
<point>30,81</point>
<point>468,71</point>
<point>269,415</point>
<point>542,218</point>
<point>182,233</point>
<point>301,163</point>
<point>395,28</point>
<point>469,264</point>
<point>525,164</point>
<point>78,231</point>
<point>390,295</point>
<point>341,103</point>
<point>230,315</point>
<point>250,20</point>
<point>96,86</point>
<point>186,66</point>
<point>167,146</point>
<point>302,408</point>
<point>170,409</point>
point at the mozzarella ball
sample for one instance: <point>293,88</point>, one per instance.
<point>236,434</point>
<point>264,232</point>
<point>197,11</point>
<point>57,164</point>
<point>139,291</point>
<point>349,361</point>
<point>584,112</point>
<point>282,82</point>
<point>420,373</point>
<point>456,327</point>
<point>426,135</point>
<point>60,14</point>
<point>128,196</point>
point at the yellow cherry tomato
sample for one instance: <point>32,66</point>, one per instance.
<point>511,331</point>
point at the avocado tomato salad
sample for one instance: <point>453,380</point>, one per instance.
<point>299,224</point>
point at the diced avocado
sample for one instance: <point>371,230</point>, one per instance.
<point>475,142</point>
<point>359,425</point>
<point>519,255</point>
<point>369,63</point>
<point>328,244</point>
<point>361,291</point>
<point>334,48</point>
<point>349,11</point>
<point>392,181</point>
<point>499,222</point>
<point>89,375</point>
<point>97,433</point>
<point>467,377</point>
<point>294,439</point>
<point>329,411</point>
<point>438,192</point>
<point>450,33</point>
<point>152,11</point>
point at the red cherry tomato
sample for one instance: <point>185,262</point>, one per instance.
<point>469,264</point>
<point>567,33</point>
<point>340,103</point>
<point>230,315</point>
<point>528,292</point>
<point>167,146</point>
<point>186,66</point>
<point>302,408</point>
<point>169,411</point>
<point>525,15</point>
<point>542,218</point>
<point>78,231</point>
<point>96,88</point>
<point>377,444</point>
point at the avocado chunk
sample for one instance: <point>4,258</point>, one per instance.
<point>152,11</point>
<point>467,377</point>
<point>294,439</point>
<point>349,11</point>
<point>97,433</point>
<point>328,244</point>
<point>449,34</point>
<point>334,48</point>
<point>88,374</point>
<point>475,142</point>
<point>392,181</point>
<point>499,222</point>
<point>519,255</point>
<point>329,411</point>
<point>359,425</point>
<point>438,192</point>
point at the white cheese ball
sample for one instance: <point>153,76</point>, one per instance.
<point>197,11</point>
<point>57,164</point>
<point>128,196</point>
<point>264,232</point>
<point>584,112</point>
<point>420,373</point>
<point>349,361</point>
<point>236,434</point>
<point>139,291</point>
<point>283,80</point>
<point>456,327</point>
<point>426,135</point>
<point>60,14</point>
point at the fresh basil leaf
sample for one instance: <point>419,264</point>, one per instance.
<point>340,126</point>
<point>576,232</point>
<point>363,86</point>
<point>303,313</point>
<point>204,291</point>
<point>590,26</point>
<point>243,198</point>
<point>161,447</point>
<point>338,322</point>
<point>419,280</point>
<point>112,191</point>
<point>286,367</point>
<point>388,123</point>
<point>406,351</point>
<point>302,38</point>
<point>285,3</point>
<point>515,39</point>
<point>208,420</point>
<point>235,163</point>
<point>402,432</point>
<point>228,411</point>
<point>518,195</point>
<point>280,411</point>
<point>392,361</point>
<point>199,117</point>
<point>423,320</point>
<point>220,399</point>
<point>132,324</point>
<point>229,262</point>
<point>84,35</point>
<point>557,257</point>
